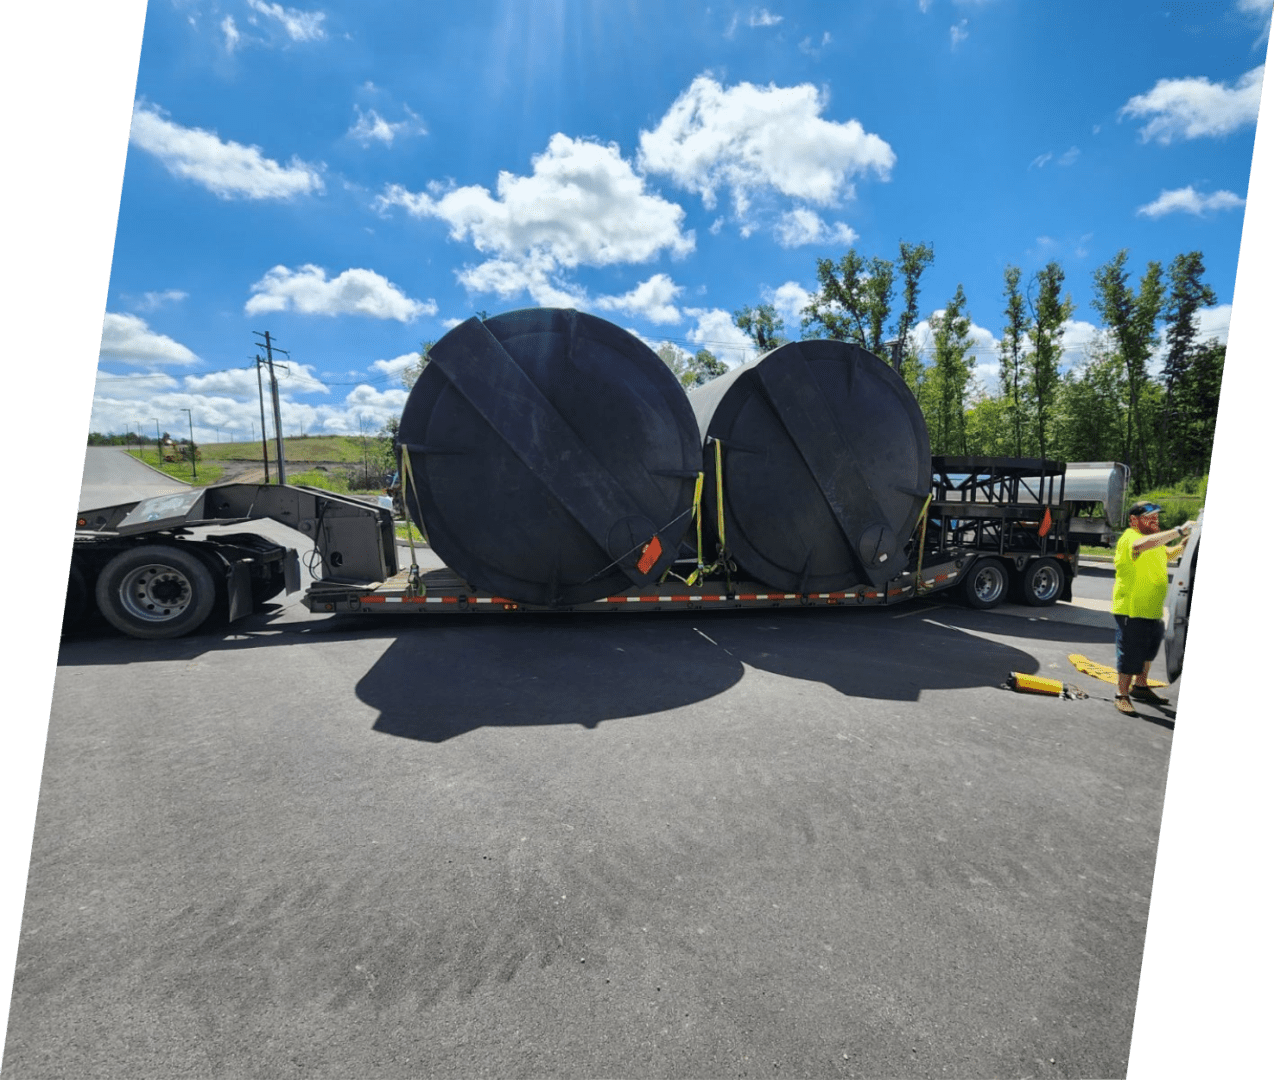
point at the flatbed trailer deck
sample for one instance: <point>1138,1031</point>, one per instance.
<point>993,528</point>
<point>446,593</point>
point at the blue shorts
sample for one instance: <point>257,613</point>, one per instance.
<point>1137,642</point>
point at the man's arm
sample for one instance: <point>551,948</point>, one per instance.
<point>1165,537</point>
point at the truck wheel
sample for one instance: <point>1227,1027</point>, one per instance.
<point>155,591</point>
<point>986,584</point>
<point>1041,582</point>
<point>76,598</point>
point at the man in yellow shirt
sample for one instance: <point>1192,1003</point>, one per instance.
<point>1141,586</point>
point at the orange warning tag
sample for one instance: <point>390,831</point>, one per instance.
<point>650,555</point>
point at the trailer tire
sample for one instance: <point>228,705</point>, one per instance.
<point>986,584</point>
<point>77,598</point>
<point>156,591</point>
<point>1041,582</point>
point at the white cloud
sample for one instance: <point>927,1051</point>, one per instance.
<point>354,292</point>
<point>151,301</point>
<point>129,390</point>
<point>804,226</point>
<point>716,332</point>
<point>532,273</point>
<point>959,33</point>
<point>398,364</point>
<point>1070,157</point>
<point>762,17</point>
<point>582,204</point>
<point>808,47</point>
<point>293,379</point>
<point>369,403</point>
<point>227,169</point>
<point>652,299</point>
<point>788,300</point>
<point>231,33</point>
<point>372,127</point>
<point>749,139</point>
<point>1214,323</point>
<point>1188,201</point>
<point>299,25</point>
<point>1041,161</point>
<point>128,340</point>
<point>925,5</point>
<point>1194,107</point>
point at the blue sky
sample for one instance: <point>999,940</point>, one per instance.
<point>356,178</point>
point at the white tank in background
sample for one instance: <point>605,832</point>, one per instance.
<point>1096,490</point>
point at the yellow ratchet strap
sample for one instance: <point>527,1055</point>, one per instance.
<point>920,553</point>
<point>697,572</point>
<point>414,585</point>
<point>724,559</point>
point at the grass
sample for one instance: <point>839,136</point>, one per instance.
<point>404,530</point>
<point>343,449</point>
<point>208,473</point>
<point>336,482</point>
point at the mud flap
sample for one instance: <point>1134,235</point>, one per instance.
<point>239,590</point>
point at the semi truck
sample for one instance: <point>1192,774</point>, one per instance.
<point>991,530</point>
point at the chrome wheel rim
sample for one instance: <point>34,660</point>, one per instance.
<point>988,584</point>
<point>155,593</point>
<point>1045,582</point>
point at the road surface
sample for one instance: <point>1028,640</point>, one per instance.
<point>789,843</point>
<point>112,476</point>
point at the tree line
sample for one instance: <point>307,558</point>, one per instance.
<point>1108,406</point>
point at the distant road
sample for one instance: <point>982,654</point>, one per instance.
<point>112,476</point>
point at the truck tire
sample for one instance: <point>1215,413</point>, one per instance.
<point>986,584</point>
<point>155,591</point>
<point>77,598</point>
<point>1041,582</point>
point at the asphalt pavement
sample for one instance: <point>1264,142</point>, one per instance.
<point>784,843</point>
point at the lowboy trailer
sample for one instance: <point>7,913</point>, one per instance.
<point>993,529</point>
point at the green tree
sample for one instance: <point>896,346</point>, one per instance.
<point>836,309</point>
<point>762,324</point>
<point>417,367</point>
<point>691,371</point>
<point>913,260</point>
<point>987,427</point>
<point>855,297</point>
<point>1043,362</point>
<point>1188,293</point>
<point>944,388</point>
<point>1089,415</point>
<point>852,302</point>
<point>1199,395</point>
<point>1132,318</point>
<point>1013,357</point>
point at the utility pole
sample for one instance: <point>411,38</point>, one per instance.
<point>194,473</point>
<point>265,452</point>
<point>274,395</point>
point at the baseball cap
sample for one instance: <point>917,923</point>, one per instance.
<point>1141,509</point>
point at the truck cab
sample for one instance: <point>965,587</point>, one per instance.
<point>1180,593</point>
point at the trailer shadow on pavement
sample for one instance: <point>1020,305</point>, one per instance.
<point>443,676</point>
<point>433,685</point>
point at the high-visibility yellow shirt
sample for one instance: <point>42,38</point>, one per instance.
<point>1141,582</point>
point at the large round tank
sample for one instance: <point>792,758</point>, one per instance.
<point>825,465</point>
<point>554,456</point>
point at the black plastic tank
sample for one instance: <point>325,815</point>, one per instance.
<point>554,455</point>
<point>825,466</point>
